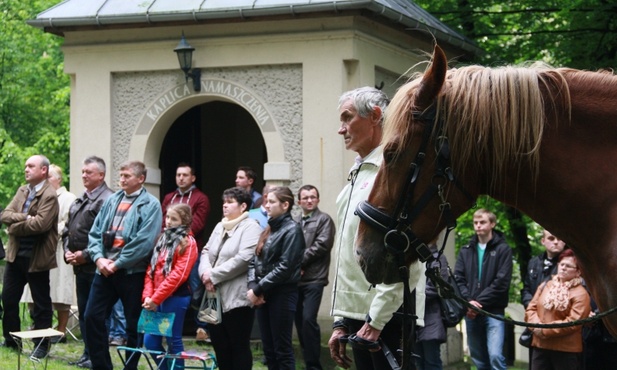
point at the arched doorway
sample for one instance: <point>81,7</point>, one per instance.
<point>215,138</point>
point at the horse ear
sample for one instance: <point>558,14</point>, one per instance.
<point>433,79</point>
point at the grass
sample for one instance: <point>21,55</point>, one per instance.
<point>61,354</point>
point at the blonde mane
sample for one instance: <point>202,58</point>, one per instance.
<point>494,117</point>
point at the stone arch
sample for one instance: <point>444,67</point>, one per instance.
<point>162,113</point>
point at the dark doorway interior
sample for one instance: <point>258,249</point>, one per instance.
<point>216,138</point>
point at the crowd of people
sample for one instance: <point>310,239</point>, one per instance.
<point>131,252</point>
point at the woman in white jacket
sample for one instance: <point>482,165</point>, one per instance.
<point>223,266</point>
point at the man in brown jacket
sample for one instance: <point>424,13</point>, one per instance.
<point>31,218</point>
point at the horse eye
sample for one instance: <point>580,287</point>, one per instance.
<point>388,155</point>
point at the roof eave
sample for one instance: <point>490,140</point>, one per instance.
<point>57,25</point>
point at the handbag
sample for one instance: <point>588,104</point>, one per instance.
<point>452,311</point>
<point>210,310</point>
<point>527,334</point>
<point>526,337</point>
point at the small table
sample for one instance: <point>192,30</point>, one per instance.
<point>22,336</point>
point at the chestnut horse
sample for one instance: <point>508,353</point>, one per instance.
<point>540,139</point>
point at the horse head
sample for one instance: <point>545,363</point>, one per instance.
<point>416,194</point>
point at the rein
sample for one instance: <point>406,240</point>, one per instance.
<point>446,291</point>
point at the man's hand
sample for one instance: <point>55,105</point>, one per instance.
<point>75,259</point>
<point>80,258</point>
<point>471,313</point>
<point>106,266</point>
<point>338,350</point>
<point>69,257</point>
<point>370,334</point>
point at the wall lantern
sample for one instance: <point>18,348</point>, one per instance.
<point>185,57</point>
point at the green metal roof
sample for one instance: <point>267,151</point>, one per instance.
<point>82,13</point>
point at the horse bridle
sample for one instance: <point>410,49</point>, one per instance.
<point>398,236</point>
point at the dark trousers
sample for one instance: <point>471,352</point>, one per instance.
<point>275,318</point>
<point>600,354</point>
<point>546,359</point>
<point>83,284</point>
<point>231,339</point>
<point>391,336</point>
<point>16,276</point>
<point>104,294</point>
<point>309,333</point>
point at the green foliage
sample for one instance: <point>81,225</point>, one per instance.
<point>575,33</point>
<point>34,94</point>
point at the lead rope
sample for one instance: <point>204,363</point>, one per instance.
<point>448,292</point>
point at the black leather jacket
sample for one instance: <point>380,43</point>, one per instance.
<point>82,213</point>
<point>536,275</point>
<point>280,259</point>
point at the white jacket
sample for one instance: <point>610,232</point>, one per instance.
<point>351,296</point>
<point>228,262</point>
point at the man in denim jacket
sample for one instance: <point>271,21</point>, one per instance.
<point>120,244</point>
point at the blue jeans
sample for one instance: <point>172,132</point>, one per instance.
<point>116,322</point>
<point>83,282</point>
<point>276,318</point>
<point>178,305</point>
<point>430,355</point>
<point>485,338</point>
<point>309,333</point>
<point>103,296</point>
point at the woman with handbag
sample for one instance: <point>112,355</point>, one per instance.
<point>561,299</point>
<point>223,267</point>
<point>273,279</point>
<point>165,286</point>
